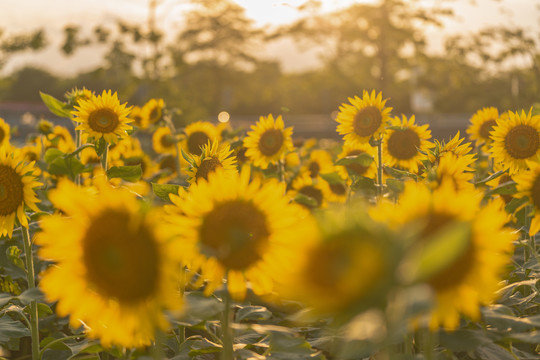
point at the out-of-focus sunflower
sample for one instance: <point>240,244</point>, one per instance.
<point>516,140</point>
<point>316,189</point>
<point>348,243</point>
<point>103,116</point>
<point>454,169</point>
<point>268,141</point>
<point>114,270</point>
<point>137,117</point>
<point>243,231</point>
<point>163,141</point>
<point>369,171</point>
<point>364,118</point>
<point>455,146</point>
<point>152,111</point>
<point>197,135</point>
<point>482,123</point>
<point>528,184</point>
<point>405,142</point>
<point>4,132</point>
<point>319,162</point>
<point>214,156</point>
<point>61,139</point>
<point>471,276</point>
<point>17,183</point>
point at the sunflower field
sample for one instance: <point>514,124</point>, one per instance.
<point>214,242</point>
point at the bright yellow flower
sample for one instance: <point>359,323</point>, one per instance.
<point>17,183</point>
<point>516,140</point>
<point>113,269</point>
<point>60,138</point>
<point>364,118</point>
<point>4,132</point>
<point>268,141</point>
<point>319,162</point>
<point>163,141</point>
<point>482,123</point>
<point>214,156</point>
<point>102,116</point>
<point>152,111</point>
<point>369,171</point>
<point>315,188</point>
<point>454,146</point>
<point>528,184</point>
<point>244,231</point>
<point>197,135</point>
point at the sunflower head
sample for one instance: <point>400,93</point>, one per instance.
<point>516,140</point>
<point>103,116</point>
<point>363,118</point>
<point>214,156</point>
<point>152,111</point>
<point>59,138</point>
<point>268,141</point>
<point>137,117</point>
<point>197,135</point>
<point>17,183</point>
<point>454,146</point>
<point>4,132</point>
<point>482,123</point>
<point>75,95</point>
<point>163,141</point>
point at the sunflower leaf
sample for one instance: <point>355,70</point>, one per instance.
<point>305,200</point>
<point>491,177</point>
<point>187,157</point>
<point>398,173</point>
<point>395,185</point>
<point>131,173</point>
<point>56,106</point>
<point>507,188</point>
<point>515,204</point>
<point>360,159</point>
<point>11,329</point>
<point>163,190</point>
<point>100,145</point>
<point>332,178</point>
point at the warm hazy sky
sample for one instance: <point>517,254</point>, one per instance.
<point>21,15</point>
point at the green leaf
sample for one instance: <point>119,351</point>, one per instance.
<point>364,183</point>
<point>395,185</point>
<point>398,173</point>
<point>163,190</point>
<point>10,329</point>
<point>100,146</point>
<point>437,252</point>
<point>515,203</point>
<point>56,106</point>
<point>491,177</point>
<point>332,178</point>
<point>85,347</point>
<point>131,173</point>
<point>52,154</point>
<point>30,295</point>
<point>203,346</point>
<point>200,308</point>
<point>360,159</point>
<point>285,346</point>
<point>14,255</point>
<point>305,200</point>
<point>494,351</point>
<point>44,310</point>
<point>463,340</point>
<point>252,313</point>
<point>507,188</point>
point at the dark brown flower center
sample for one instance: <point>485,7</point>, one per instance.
<point>271,141</point>
<point>196,140</point>
<point>167,141</point>
<point>155,114</point>
<point>522,142</point>
<point>312,192</point>
<point>207,166</point>
<point>486,128</point>
<point>103,120</point>
<point>11,190</point>
<point>137,120</point>
<point>357,168</point>
<point>314,169</point>
<point>403,144</point>
<point>338,188</point>
<point>367,121</point>
<point>235,233</point>
<point>121,256</point>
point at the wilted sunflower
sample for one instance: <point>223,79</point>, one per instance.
<point>516,140</point>
<point>152,111</point>
<point>469,277</point>
<point>197,135</point>
<point>243,231</point>
<point>114,272</point>
<point>102,116</point>
<point>4,132</point>
<point>268,141</point>
<point>163,141</point>
<point>528,184</point>
<point>405,142</point>
<point>214,156</point>
<point>17,183</point>
<point>364,118</point>
<point>482,123</point>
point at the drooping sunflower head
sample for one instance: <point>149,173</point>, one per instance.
<point>163,141</point>
<point>197,135</point>
<point>4,132</point>
<point>268,141</point>
<point>405,143</point>
<point>516,140</point>
<point>103,116</point>
<point>482,123</point>
<point>17,183</point>
<point>214,156</point>
<point>363,118</point>
<point>113,268</point>
<point>239,229</point>
<point>152,111</point>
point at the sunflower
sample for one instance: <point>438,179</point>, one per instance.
<point>163,141</point>
<point>369,171</point>
<point>61,139</point>
<point>472,276</point>
<point>482,123</point>
<point>405,143</point>
<point>516,140</point>
<point>528,184</point>
<point>114,270</point>
<point>197,135</point>
<point>319,162</point>
<point>152,111</point>
<point>103,117</point>
<point>454,146</point>
<point>268,141</point>
<point>17,183</point>
<point>4,132</point>
<point>364,118</point>
<point>244,231</point>
<point>316,189</point>
<point>214,156</point>
<point>454,169</point>
<point>137,117</point>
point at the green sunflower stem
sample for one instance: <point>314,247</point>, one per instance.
<point>30,276</point>
<point>78,142</point>
<point>104,158</point>
<point>226,329</point>
<point>379,168</point>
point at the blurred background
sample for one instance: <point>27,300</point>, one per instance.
<point>438,59</point>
